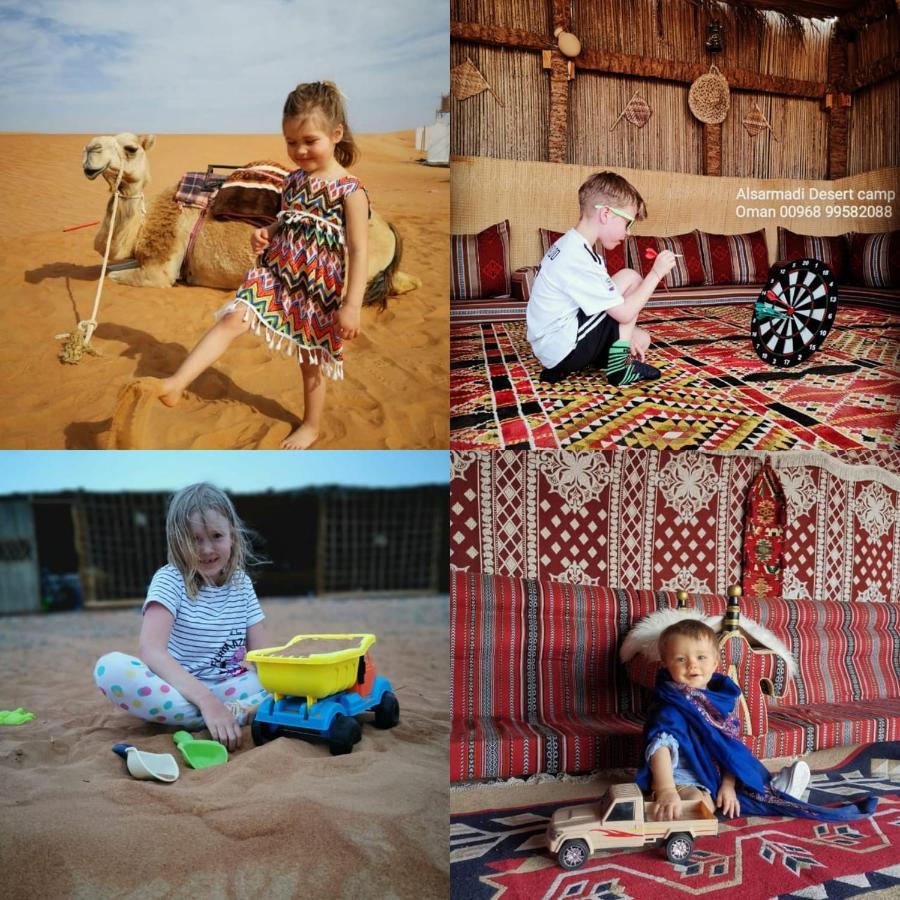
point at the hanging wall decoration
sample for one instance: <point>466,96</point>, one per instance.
<point>466,81</point>
<point>637,111</point>
<point>755,122</point>
<point>709,97</point>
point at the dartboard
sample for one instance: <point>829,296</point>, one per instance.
<point>794,312</point>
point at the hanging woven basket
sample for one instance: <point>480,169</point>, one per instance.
<point>638,112</point>
<point>709,97</point>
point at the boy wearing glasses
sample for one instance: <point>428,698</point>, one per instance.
<point>578,315</point>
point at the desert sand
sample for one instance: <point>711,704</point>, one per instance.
<point>282,820</point>
<point>395,391</point>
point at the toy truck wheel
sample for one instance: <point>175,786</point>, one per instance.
<point>343,734</point>
<point>679,847</point>
<point>573,854</point>
<point>262,732</point>
<point>387,713</point>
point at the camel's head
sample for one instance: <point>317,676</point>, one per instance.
<point>109,154</point>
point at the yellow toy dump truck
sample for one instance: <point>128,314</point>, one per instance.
<point>623,819</point>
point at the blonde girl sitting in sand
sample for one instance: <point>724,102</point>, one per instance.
<point>200,618</point>
<point>294,297</point>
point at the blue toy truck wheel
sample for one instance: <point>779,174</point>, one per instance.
<point>343,734</point>
<point>387,713</point>
<point>262,732</point>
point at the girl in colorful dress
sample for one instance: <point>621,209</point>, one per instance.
<point>294,297</point>
<point>200,618</point>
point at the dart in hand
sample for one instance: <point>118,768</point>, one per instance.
<point>651,254</point>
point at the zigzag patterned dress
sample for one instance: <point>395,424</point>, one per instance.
<point>297,291</point>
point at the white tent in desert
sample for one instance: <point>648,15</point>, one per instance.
<point>434,140</point>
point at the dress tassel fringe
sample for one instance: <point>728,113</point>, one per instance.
<point>331,367</point>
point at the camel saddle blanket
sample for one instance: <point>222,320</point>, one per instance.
<point>251,194</point>
<point>196,189</point>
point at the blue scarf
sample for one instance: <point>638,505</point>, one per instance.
<point>704,724</point>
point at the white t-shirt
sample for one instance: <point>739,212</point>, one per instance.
<point>572,277</point>
<point>209,635</point>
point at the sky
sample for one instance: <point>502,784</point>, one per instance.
<point>240,471</point>
<point>198,66</point>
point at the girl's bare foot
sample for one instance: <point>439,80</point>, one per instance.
<point>304,437</point>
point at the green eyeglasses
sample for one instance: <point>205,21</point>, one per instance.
<point>629,219</point>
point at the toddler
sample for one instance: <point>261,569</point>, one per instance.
<point>693,751</point>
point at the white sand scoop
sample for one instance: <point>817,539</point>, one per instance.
<point>144,766</point>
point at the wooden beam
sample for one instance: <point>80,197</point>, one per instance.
<point>880,70</point>
<point>637,66</point>
<point>498,36</point>
<point>686,73</point>
<point>558,138</point>
<point>838,114</point>
<point>558,142</point>
<point>712,149</point>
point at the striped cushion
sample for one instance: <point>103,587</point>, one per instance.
<point>536,685</point>
<point>614,259</point>
<point>832,250</point>
<point>845,652</point>
<point>875,259</point>
<point>688,267</point>
<point>734,258</point>
<point>479,263</point>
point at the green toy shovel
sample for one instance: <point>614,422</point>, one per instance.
<point>200,754</point>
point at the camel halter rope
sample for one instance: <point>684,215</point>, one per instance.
<point>77,342</point>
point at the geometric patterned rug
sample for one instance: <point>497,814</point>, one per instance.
<point>502,853</point>
<point>714,392</point>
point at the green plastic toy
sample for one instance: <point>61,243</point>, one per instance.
<point>200,754</point>
<point>15,716</point>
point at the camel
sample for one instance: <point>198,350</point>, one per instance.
<point>157,237</point>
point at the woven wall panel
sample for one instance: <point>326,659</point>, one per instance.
<point>671,140</point>
<point>527,15</point>
<point>872,148</point>
<point>518,129</point>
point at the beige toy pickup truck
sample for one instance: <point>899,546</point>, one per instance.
<point>623,819</point>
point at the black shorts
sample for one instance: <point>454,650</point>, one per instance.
<point>596,334</point>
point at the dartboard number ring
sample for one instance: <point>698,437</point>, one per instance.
<point>794,312</point>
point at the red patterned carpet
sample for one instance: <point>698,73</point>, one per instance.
<point>714,393</point>
<point>502,853</point>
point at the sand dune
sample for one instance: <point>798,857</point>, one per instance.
<point>395,391</point>
<point>282,820</point>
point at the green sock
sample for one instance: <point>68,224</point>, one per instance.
<point>618,371</point>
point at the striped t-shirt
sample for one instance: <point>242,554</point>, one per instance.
<point>209,635</point>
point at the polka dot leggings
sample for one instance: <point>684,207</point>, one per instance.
<point>127,682</point>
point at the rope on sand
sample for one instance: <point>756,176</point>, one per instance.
<point>77,342</point>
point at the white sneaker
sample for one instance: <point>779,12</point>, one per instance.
<point>792,780</point>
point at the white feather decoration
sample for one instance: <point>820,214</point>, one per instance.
<point>643,638</point>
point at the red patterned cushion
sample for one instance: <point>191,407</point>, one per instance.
<point>548,239</point>
<point>831,250</point>
<point>844,651</point>
<point>875,259</point>
<point>734,258</point>
<point>614,259</point>
<point>479,264</point>
<point>688,267</point>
